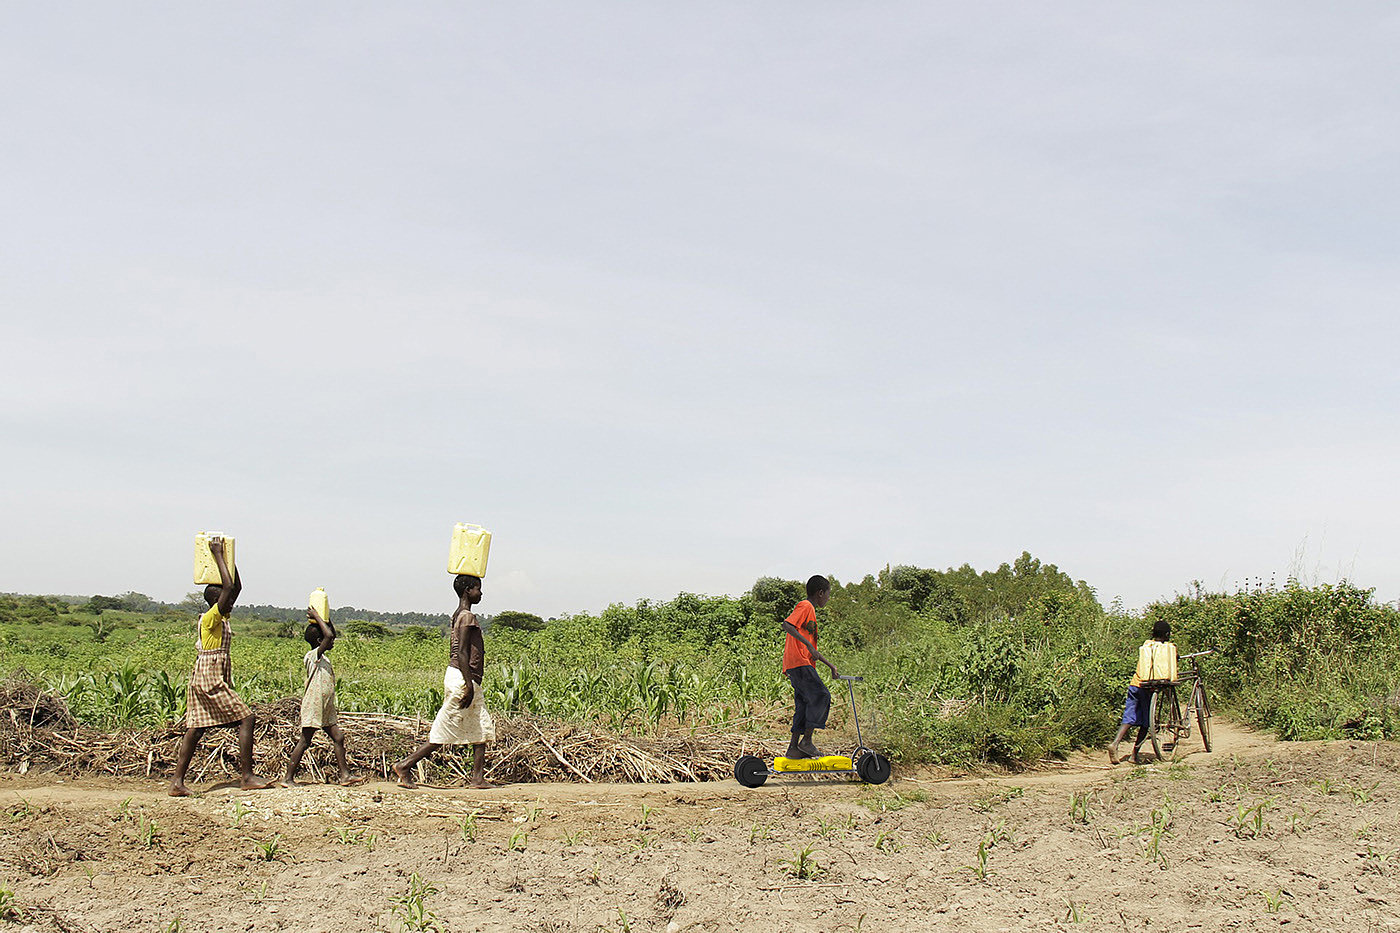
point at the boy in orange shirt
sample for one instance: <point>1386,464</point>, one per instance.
<point>811,698</point>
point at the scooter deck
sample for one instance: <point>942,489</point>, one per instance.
<point>825,763</point>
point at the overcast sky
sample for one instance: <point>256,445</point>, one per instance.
<point>674,297</point>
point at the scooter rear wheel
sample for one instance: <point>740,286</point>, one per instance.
<point>750,771</point>
<point>873,768</point>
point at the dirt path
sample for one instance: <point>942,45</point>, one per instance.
<point>1256,835</point>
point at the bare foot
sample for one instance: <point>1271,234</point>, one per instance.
<point>289,782</point>
<point>480,785</point>
<point>252,782</point>
<point>353,780</point>
<point>178,790</point>
<point>1113,758</point>
<point>404,776</point>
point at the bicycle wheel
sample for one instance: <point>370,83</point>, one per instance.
<point>1198,698</point>
<point>1163,720</point>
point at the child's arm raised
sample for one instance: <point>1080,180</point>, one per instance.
<point>230,584</point>
<point>796,632</point>
<point>327,633</point>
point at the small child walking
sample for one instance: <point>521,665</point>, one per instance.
<point>1156,663</point>
<point>318,707</point>
<point>811,698</point>
<point>463,718</point>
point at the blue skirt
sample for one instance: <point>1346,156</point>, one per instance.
<point>1135,708</point>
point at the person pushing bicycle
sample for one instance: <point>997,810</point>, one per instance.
<point>1156,663</point>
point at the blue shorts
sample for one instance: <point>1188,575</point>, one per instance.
<point>1135,708</point>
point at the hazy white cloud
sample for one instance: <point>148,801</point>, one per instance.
<point>674,298</point>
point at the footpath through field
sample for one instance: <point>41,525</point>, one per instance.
<point>1255,834</point>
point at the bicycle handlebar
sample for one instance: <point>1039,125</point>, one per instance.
<point>851,677</point>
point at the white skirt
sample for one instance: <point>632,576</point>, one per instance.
<point>456,726</point>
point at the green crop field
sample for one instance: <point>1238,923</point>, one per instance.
<point>962,667</point>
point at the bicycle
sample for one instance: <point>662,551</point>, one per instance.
<point>1167,725</point>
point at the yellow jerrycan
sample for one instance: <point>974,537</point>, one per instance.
<point>471,545</point>
<point>321,603</point>
<point>206,570</point>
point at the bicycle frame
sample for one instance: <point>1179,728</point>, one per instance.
<point>1168,724</point>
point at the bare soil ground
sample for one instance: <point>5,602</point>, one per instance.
<point>1255,836</point>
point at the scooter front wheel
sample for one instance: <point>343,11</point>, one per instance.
<point>750,771</point>
<point>873,768</point>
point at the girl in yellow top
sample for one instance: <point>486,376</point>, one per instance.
<point>211,700</point>
<point>1156,662</point>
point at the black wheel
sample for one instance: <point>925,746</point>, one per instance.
<point>750,771</point>
<point>1202,712</point>
<point>873,768</point>
<point>1163,721</point>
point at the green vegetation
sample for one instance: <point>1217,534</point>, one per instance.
<point>1310,662</point>
<point>961,666</point>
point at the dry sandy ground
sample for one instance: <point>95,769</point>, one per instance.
<point>1256,836</point>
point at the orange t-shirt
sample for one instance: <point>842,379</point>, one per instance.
<point>804,619</point>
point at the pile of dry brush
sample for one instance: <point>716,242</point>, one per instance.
<point>38,731</point>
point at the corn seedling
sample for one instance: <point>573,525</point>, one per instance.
<point>758,832</point>
<point>518,841</point>
<point>1326,785</point>
<point>1364,830</point>
<point>934,838</point>
<point>1074,913</point>
<point>622,922</point>
<point>828,828</point>
<point>646,816</point>
<point>468,826</point>
<point>174,926</point>
<point>1249,822</point>
<point>593,873</point>
<point>990,838</point>
<point>411,907</point>
<point>878,802</point>
<point>22,809</point>
<point>1079,811</point>
<point>1374,860</point>
<point>8,911</point>
<point>990,802</point>
<point>149,831</point>
<point>885,842</point>
<point>1362,794</point>
<point>644,841</point>
<point>240,810</point>
<point>1273,900</point>
<point>979,870</point>
<point>1161,819</point>
<point>1299,821</point>
<point>803,863</point>
<point>270,850</point>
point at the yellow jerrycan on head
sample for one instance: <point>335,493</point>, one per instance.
<point>321,603</point>
<point>206,569</point>
<point>471,545</point>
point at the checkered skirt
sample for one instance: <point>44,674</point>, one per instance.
<point>211,700</point>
